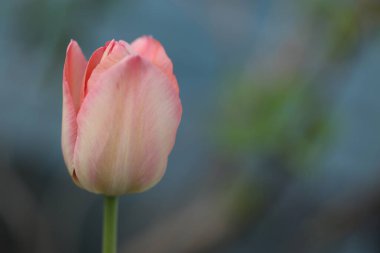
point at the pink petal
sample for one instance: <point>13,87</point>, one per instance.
<point>92,63</point>
<point>73,72</point>
<point>126,128</point>
<point>112,53</point>
<point>152,50</point>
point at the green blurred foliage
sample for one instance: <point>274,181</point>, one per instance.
<point>284,117</point>
<point>344,24</point>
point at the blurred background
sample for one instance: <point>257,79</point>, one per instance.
<point>278,149</point>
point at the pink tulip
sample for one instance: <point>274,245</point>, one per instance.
<point>121,111</point>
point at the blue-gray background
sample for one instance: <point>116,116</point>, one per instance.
<point>278,149</point>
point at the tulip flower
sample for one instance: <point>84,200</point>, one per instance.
<point>121,111</point>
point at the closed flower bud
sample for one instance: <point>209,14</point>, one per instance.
<point>121,111</point>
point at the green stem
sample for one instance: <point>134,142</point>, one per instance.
<point>110,224</point>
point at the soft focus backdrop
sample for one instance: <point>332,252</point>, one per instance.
<point>279,145</point>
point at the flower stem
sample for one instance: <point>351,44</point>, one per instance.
<point>110,224</point>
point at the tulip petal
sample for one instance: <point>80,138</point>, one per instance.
<point>73,72</point>
<point>126,128</point>
<point>152,50</point>
<point>111,54</point>
<point>92,63</point>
